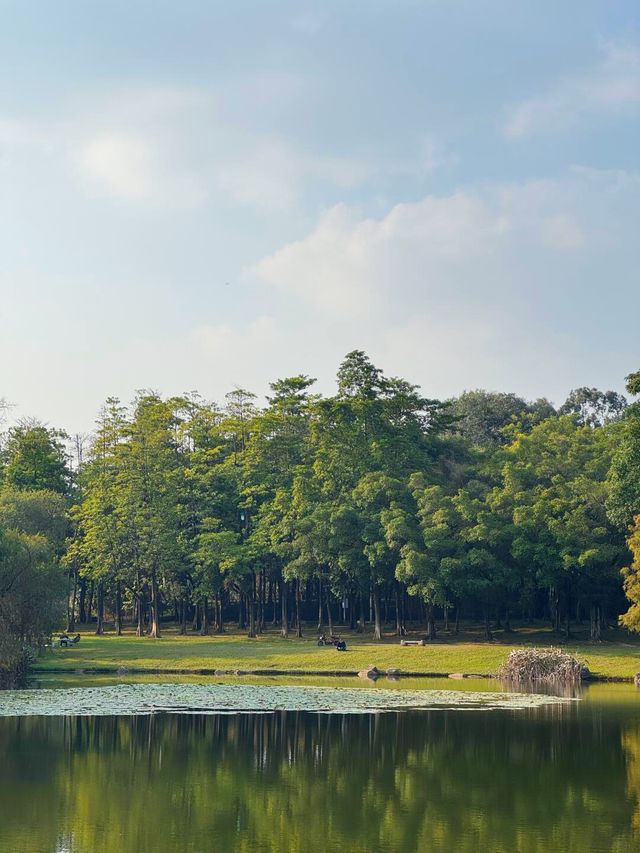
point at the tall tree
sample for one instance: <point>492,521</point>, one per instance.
<point>593,407</point>
<point>35,458</point>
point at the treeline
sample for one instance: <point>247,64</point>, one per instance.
<point>373,505</point>
<point>35,498</point>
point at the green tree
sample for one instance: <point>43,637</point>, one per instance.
<point>623,502</point>
<point>593,407</point>
<point>35,458</point>
<point>482,416</point>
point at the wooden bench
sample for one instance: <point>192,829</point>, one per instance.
<point>413,642</point>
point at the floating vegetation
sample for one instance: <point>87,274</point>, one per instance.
<point>132,699</point>
<point>549,666</point>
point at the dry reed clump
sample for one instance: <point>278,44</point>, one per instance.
<point>552,666</point>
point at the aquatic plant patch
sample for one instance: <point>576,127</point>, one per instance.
<point>131,699</point>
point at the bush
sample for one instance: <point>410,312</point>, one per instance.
<point>551,666</point>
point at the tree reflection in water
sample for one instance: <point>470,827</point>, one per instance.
<point>551,779</point>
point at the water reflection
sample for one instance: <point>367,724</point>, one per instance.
<point>559,778</point>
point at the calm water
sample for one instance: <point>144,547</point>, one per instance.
<point>554,778</point>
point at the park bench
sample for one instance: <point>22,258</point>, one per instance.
<point>413,642</point>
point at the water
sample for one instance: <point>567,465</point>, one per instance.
<point>560,776</point>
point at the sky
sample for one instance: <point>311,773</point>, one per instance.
<point>205,195</point>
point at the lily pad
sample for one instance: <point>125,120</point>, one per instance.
<point>132,699</point>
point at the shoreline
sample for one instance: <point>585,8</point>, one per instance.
<point>283,673</point>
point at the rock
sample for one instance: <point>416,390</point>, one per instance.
<point>371,672</point>
<point>123,670</point>
<point>636,679</point>
<point>393,671</point>
<point>456,675</point>
<point>220,672</point>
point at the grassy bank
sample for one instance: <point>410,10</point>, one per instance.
<point>616,658</point>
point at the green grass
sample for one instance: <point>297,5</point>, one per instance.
<point>619,657</point>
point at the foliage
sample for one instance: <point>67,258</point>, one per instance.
<point>374,504</point>
<point>484,416</point>
<point>593,407</point>
<point>35,458</point>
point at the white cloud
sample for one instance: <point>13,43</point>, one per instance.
<point>613,86</point>
<point>122,163</point>
<point>172,147</point>
<point>438,249</point>
<point>18,133</point>
<point>500,287</point>
<point>509,287</point>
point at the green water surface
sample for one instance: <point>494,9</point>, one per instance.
<point>550,777</point>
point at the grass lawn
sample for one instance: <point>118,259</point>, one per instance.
<point>617,657</point>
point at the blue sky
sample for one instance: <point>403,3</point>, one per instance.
<point>202,195</point>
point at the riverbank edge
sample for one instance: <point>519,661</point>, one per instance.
<point>280,673</point>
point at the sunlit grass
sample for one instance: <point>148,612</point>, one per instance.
<point>270,652</point>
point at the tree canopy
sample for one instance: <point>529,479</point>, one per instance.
<point>374,505</point>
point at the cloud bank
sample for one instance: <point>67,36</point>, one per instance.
<point>612,87</point>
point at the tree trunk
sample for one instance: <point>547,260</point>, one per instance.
<point>431,622</point>
<point>456,629</point>
<point>487,625</point>
<point>319,605</point>
<point>554,609</point>
<point>377,626</point>
<point>298,604</point>
<point>567,626</point>
<point>284,615</point>
<point>328,602</point>
<point>100,610</point>
<point>352,612</point>
<point>396,595</point>
<point>220,604</point>
<point>360,623</point>
<point>118,609</point>
<point>596,623</point>
<point>154,627</point>
<point>71,614</point>
<point>82,611</point>
<point>204,624</point>
<point>445,627</point>
<point>183,616</point>
<point>90,601</point>
<point>263,601</point>
<point>140,625</point>
<point>507,621</point>
<point>252,609</point>
<point>241,620</point>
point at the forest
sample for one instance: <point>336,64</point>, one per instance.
<point>375,508</point>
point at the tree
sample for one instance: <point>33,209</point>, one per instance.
<point>593,407</point>
<point>483,415</point>
<point>631,575</point>
<point>623,502</point>
<point>31,599</point>
<point>555,481</point>
<point>278,456</point>
<point>35,458</point>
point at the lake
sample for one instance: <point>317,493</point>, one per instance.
<point>478,776</point>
